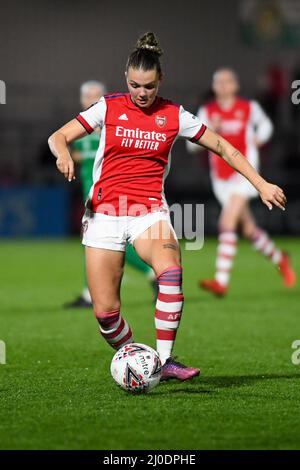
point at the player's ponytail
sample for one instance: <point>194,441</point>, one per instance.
<point>146,54</point>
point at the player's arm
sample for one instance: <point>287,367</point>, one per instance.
<point>86,122</point>
<point>269,193</point>
<point>58,143</point>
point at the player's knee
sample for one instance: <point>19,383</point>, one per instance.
<point>248,230</point>
<point>103,315</point>
<point>226,227</point>
<point>106,308</point>
<point>224,223</point>
<point>171,257</point>
<point>228,221</point>
<point>170,275</point>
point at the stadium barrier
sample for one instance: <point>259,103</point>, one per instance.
<point>34,212</point>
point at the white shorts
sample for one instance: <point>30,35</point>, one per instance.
<point>237,184</point>
<point>112,232</point>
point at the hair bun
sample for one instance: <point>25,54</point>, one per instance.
<point>149,42</point>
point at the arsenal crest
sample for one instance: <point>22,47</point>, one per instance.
<point>161,121</point>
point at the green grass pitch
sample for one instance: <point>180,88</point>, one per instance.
<point>56,391</point>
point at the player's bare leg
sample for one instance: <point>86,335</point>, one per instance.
<point>104,274</point>
<point>263,243</point>
<point>228,224</point>
<point>158,247</point>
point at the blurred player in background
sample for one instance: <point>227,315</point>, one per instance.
<point>127,201</point>
<point>244,124</point>
<point>84,152</point>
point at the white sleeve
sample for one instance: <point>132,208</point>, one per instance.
<point>202,116</point>
<point>94,116</point>
<point>262,124</point>
<point>190,127</point>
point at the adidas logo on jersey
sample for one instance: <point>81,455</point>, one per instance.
<point>123,117</point>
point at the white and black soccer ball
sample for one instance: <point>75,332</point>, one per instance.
<point>136,368</point>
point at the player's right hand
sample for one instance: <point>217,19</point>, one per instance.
<point>66,166</point>
<point>272,194</point>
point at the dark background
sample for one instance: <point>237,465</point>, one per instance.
<point>48,48</point>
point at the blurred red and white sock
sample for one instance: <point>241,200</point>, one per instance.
<point>114,329</point>
<point>168,310</point>
<point>225,256</point>
<point>262,243</point>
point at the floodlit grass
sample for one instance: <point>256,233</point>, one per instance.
<point>56,391</point>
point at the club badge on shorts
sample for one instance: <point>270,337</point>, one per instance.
<point>161,121</point>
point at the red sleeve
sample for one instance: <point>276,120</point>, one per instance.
<point>85,124</point>
<point>199,134</point>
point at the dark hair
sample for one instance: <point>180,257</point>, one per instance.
<point>146,54</point>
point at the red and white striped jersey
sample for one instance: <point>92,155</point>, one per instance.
<point>134,152</point>
<point>240,124</point>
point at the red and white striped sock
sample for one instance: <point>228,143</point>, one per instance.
<point>225,256</point>
<point>263,243</point>
<point>168,310</point>
<point>114,329</point>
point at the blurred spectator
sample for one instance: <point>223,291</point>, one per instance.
<point>272,90</point>
<point>83,153</point>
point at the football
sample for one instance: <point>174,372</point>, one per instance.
<point>136,368</point>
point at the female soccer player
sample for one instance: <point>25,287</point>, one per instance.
<point>244,124</point>
<point>84,152</point>
<point>126,202</point>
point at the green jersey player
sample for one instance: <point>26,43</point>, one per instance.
<point>84,151</point>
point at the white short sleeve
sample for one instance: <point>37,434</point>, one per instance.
<point>94,116</point>
<point>263,125</point>
<point>202,116</point>
<point>190,126</point>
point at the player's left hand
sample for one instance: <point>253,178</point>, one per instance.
<point>271,194</point>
